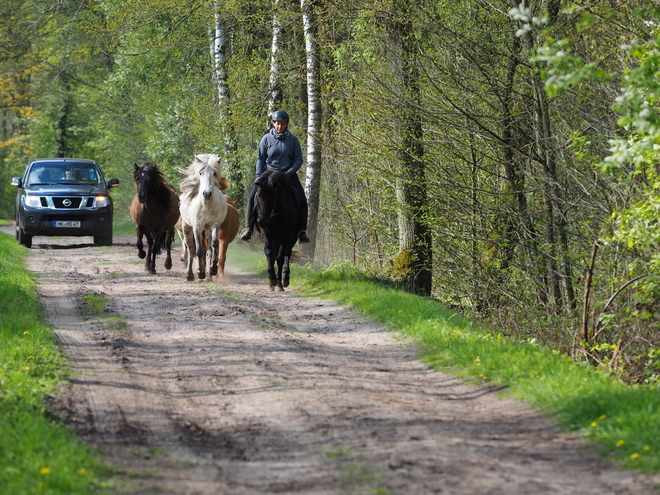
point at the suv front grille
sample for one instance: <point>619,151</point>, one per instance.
<point>67,202</point>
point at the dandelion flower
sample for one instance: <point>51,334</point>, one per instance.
<point>602,416</point>
<point>620,443</point>
<point>27,368</point>
<point>593,424</point>
<point>634,456</point>
<point>647,447</point>
<point>480,376</point>
<point>44,470</point>
<point>26,332</point>
<point>477,360</point>
<point>81,471</point>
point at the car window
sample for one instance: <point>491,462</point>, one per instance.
<point>69,173</point>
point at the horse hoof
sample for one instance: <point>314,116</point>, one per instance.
<point>285,283</point>
<point>201,275</point>
<point>190,277</point>
<point>214,271</point>
<point>142,254</point>
<point>168,264</point>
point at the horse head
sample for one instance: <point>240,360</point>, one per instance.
<point>145,178</point>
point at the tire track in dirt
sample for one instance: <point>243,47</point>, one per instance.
<point>214,388</point>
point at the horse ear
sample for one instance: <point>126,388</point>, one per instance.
<point>135,168</point>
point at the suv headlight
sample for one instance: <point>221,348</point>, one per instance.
<point>102,201</point>
<point>32,201</point>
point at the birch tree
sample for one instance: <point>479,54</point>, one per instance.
<point>219,56</point>
<point>314,119</point>
<point>274,83</point>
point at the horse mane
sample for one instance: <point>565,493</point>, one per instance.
<point>189,185</point>
<point>162,189</point>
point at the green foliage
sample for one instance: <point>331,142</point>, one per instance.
<point>36,455</point>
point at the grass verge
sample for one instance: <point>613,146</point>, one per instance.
<point>37,455</point>
<point>623,420</point>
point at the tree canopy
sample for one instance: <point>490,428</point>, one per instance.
<point>499,156</point>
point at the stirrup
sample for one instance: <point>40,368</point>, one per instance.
<point>302,237</point>
<point>246,234</point>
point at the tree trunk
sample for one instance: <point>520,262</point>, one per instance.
<point>218,55</point>
<point>314,120</point>
<point>414,234</point>
<point>274,84</point>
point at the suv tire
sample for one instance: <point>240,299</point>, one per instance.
<point>23,238</point>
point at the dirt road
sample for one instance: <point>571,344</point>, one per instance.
<point>227,388</point>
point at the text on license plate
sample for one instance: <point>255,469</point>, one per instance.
<point>70,224</point>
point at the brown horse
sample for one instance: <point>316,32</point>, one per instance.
<point>155,211</point>
<point>226,234</point>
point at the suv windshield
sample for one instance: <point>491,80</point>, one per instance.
<point>44,173</point>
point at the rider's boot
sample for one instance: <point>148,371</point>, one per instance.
<point>246,234</point>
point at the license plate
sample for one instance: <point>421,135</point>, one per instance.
<point>68,224</point>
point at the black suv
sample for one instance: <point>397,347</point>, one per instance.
<point>63,196</point>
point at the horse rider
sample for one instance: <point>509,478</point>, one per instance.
<point>279,150</point>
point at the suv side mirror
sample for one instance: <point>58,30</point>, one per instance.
<point>17,181</point>
<point>113,183</point>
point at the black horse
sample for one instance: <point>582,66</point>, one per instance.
<point>277,213</point>
<point>154,211</point>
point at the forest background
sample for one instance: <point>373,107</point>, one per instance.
<point>499,156</point>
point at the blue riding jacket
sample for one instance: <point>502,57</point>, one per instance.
<point>279,152</point>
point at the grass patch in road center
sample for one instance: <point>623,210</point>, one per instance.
<point>37,456</point>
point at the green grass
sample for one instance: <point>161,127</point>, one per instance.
<point>623,420</point>
<point>37,455</point>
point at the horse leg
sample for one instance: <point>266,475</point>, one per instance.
<point>169,237</point>
<point>150,263</point>
<point>184,246</point>
<point>222,256</point>
<point>285,272</point>
<point>214,250</point>
<point>280,264</point>
<point>201,254</point>
<point>139,232</point>
<point>190,248</point>
<point>270,257</point>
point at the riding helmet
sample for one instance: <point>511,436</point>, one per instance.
<point>279,115</point>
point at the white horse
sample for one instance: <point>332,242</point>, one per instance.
<point>203,209</point>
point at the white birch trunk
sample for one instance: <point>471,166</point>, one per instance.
<point>218,55</point>
<point>314,120</point>
<point>274,85</point>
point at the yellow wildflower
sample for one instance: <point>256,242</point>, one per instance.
<point>634,456</point>
<point>620,443</point>
<point>44,470</point>
<point>593,424</point>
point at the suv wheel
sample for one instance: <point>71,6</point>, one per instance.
<point>23,238</point>
<point>103,240</point>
